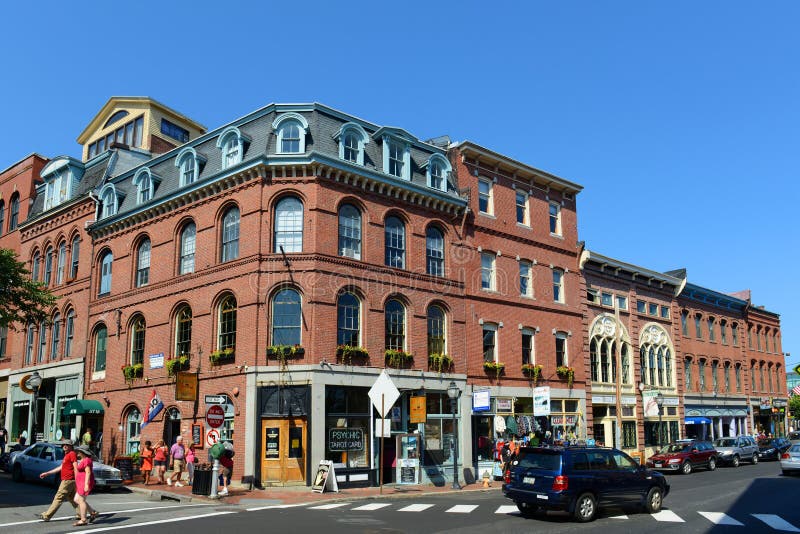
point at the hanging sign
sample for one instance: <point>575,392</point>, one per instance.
<point>541,401</point>
<point>480,401</point>
<point>650,403</point>
<point>418,409</point>
<point>186,386</point>
<point>325,478</point>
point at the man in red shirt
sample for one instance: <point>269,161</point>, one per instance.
<point>66,490</point>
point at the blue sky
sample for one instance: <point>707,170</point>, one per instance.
<point>681,119</point>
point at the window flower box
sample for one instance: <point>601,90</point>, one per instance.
<point>177,364</point>
<point>349,355</point>
<point>495,368</point>
<point>285,352</point>
<point>132,372</point>
<point>439,362</point>
<point>398,358</point>
<point>532,371</point>
<point>567,373</point>
<point>218,357</point>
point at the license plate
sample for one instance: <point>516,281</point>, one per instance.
<point>658,465</point>
<point>528,480</point>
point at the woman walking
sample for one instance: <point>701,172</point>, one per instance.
<point>147,461</point>
<point>84,484</point>
<point>160,460</point>
<point>191,459</point>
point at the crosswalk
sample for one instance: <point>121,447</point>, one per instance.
<point>773,521</point>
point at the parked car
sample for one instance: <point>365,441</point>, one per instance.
<point>685,456</point>
<point>794,438</point>
<point>579,480</point>
<point>772,448</point>
<point>40,457</point>
<point>734,450</point>
<point>790,460</point>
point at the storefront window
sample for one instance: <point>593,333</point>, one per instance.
<point>347,426</point>
<point>439,435</point>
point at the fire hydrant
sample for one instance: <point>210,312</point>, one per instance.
<point>486,479</point>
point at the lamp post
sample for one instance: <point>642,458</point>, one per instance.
<point>454,393</point>
<point>34,382</point>
<point>660,403</point>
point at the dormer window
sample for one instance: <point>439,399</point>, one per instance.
<point>144,181</point>
<point>437,170</point>
<point>189,164</point>
<point>396,160</point>
<point>232,143</point>
<point>352,140</point>
<point>291,129</point>
<point>108,201</point>
<point>396,157</point>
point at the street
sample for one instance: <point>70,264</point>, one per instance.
<point>745,499</point>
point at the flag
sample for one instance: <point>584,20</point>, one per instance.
<point>796,389</point>
<point>153,408</point>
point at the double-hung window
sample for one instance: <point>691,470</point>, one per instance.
<point>488,281</point>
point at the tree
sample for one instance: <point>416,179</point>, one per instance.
<point>22,301</point>
<point>794,406</point>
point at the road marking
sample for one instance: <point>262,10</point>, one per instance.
<point>720,519</point>
<point>129,502</point>
<point>330,506</point>
<point>72,517</point>
<point>668,515</point>
<point>373,506</point>
<point>462,509</point>
<point>415,508</point>
<point>776,522</point>
<point>507,509</point>
<point>273,506</point>
<point>618,517</point>
<point>158,522</point>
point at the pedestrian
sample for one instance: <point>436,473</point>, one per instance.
<point>191,459</point>
<point>84,484</point>
<point>3,438</point>
<point>160,460</point>
<point>226,465</point>
<point>86,439</point>
<point>147,461</point>
<point>178,454</point>
<point>66,489</point>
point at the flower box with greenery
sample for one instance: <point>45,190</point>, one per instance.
<point>348,354</point>
<point>495,368</point>
<point>177,363</point>
<point>439,362</point>
<point>566,372</point>
<point>285,352</point>
<point>133,371</point>
<point>532,371</point>
<point>398,358</point>
<point>218,357</point>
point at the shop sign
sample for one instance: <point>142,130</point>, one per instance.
<point>503,405</point>
<point>186,386</point>
<point>650,405</point>
<point>157,361</point>
<point>541,401</point>
<point>779,403</point>
<point>557,420</point>
<point>272,438</point>
<point>345,439</point>
<point>570,420</point>
<point>481,401</point>
<point>766,403</point>
<point>419,410</point>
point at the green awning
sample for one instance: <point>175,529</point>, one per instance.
<point>82,407</point>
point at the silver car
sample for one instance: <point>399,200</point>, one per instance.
<point>732,450</point>
<point>794,437</point>
<point>41,457</point>
<point>790,460</point>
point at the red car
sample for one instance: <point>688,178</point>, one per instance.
<point>685,456</point>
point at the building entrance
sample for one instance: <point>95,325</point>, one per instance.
<point>283,450</point>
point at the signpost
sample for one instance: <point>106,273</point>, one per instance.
<point>216,399</point>
<point>215,416</point>
<point>212,437</point>
<point>383,394</point>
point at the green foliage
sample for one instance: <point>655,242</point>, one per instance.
<point>22,301</point>
<point>285,352</point>
<point>566,372</point>
<point>348,354</point>
<point>218,357</point>
<point>178,363</point>
<point>494,367</point>
<point>440,362</point>
<point>532,371</point>
<point>794,406</point>
<point>133,371</point>
<point>398,358</point>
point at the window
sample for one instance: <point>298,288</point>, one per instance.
<point>436,330</point>
<point>13,219</point>
<point>726,370</point>
<point>489,343</point>
<point>35,267</point>
<point>685,322</point>
<point>687,371</point>
<point>3,341</point>
<point>143,263</point>
<point>70,333</point>
<point>711,333</point>
<point>232,144</point>
<point>714,376</point>
<point>723,331</point>
<point>286,317</point>
<point>395,316</point>
<point>348,320</point>
<point>641,306</point>
<point>133,427</point>
<point>665,312</point>
<point>108,201</point>
<point>29,345</point>
<point>487,271</point>
<point>350,232</point>
<point>138,328</point>
<point>749,336</point>
<point>607,299</point>
<point>395,243</point>
<point>189,164</point>
<point>2,215</point>
<point>698,326</point>
<point>525,282</point>
<point>396,159</point>
<point>289,225</point>
<point>522,208</point>
<point>527,347</point>
<point>291,130</point>
<point>130,133</point>
<point>558,285</point>
<point>100,340</point>
<point>56,337</point>
<point>592,296</point>
<point>434,251</point>
<point>62,263</point>
<point>738,376</point>
<point>183,331</point>
<point>485,204</point>
<point>622,303</point>
<point>188,236</point>
<point>48,266</point>
<point>629,434</point>
<point>106,261</point>
<point>652,309</point>
<point>352,139</point>
<point>758,338</point>
<point>188,174</point>
<point>735,334</point>
<point>701,374</point>
<point>290,138</point>
<point>75,250</point>
<point>230,235</point>
<point>436,179</point>
<point>655,357</point>
<point>226,337</point>
<point>561,349</point>
<point>144,186</point>
<point>174,131</point>
<point>555,218</point>
<point>753,385</point>
<point>351,149</point>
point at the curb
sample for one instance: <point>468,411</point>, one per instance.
<point>161,495</point>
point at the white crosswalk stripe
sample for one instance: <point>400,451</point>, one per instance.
<point>721,519</point>
<point>331,505</point>
<point>415,508</point>
<point>372,506</point>
<point>462,509</point>
<point>776,522</point>
<point>618,517</point>
<point>507,509</point>
<point>668,515</point>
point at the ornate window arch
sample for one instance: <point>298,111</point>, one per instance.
<point>145,183</point>
<point>189,163</point>
<point>110,200</point>
<point>352,140</point>
<point>655,349</point>
<point>291,129</point>
<point>603,350</point>
<point>437,172</point>
<point>232,143</point>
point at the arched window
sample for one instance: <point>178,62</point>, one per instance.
<point>226,327</point>
<point>62,262</point>
<point>108,200</point>
<point>13,219</point>
<point>42,341</point>
<point>352,139</point>
<point>133,427</point>
<point>286,317</point>
<point>230,235</point>
<point>48,266</point>
<point>434,251</point>
<point>395,243</point>
<point>289,225</point>
<point>687,373</point>
<point>603,351</point>
<point>2,216</point>
<point>350,232</point>
<point>144,186</point>
<point>395,315</point>
<point>29,344</point>
<point>70,333</point>
<point>138,329</point>
<point>56,338</point>
<point>685,322</point>
<point>231,151</point>
<point>143,263</point>
<point>188,235</point>
<point>106,261</point>
<point>348,320</point>
<point>183,331</point>
<point>437,170</point>
<point>290,138</point>
<point>350,147</point>
<point>437,338</point>
<point>656,356</point>
<point>100,342</point>
<point>75,250</point>
<point>35,267</point>
<point>187,169</point>
<point>291,130</point>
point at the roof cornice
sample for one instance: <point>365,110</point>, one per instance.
<point>606,262</point>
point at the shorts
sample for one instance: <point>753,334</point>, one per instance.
<point>178,464</point>
<point>225,472</point>
<point>160,463</point>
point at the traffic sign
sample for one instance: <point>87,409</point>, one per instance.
<point>215,416</point>
<point>216,399</point>
<point>212,437</point>
<point>383,393</point>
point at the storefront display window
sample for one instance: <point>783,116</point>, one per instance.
<point>439,433</point>
<point>347,426</point>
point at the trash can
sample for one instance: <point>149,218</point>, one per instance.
<point>201,485</point>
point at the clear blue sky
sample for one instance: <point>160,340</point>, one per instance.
<point>679,118</point>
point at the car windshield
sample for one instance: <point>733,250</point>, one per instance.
<point>767,442</point>
<point>795,448</point>
<point>537,460</point>
<point>725,442</point>
<point>676,447</point>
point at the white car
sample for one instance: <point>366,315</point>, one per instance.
<point>41,457</point>
<point>790,460</point>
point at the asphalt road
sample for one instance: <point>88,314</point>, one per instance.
<point>738,500</point>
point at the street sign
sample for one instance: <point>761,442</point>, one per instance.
<point>212,437</point>
<point>383,393</point>
<point>216,399</point>
<point>215,416</point>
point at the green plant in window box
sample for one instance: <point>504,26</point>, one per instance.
<point>439,362</point>
<point>495,368</point>
<point>177,363</point>
<point>218,357</point>
<point>348,354</point>
<point>532,371</point>
<point>398,358</point>
<point>564,371</point>
<point>132,372</point>
<point>285,352</point>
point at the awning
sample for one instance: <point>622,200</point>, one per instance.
<point>82,407</point>
<point>698,421</point>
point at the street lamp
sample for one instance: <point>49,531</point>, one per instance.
<point>454,393</point>
<point>660,403</point>
<point>34,382</point>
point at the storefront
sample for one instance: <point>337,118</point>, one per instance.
<point>723,418</point>
<point>769,416</point>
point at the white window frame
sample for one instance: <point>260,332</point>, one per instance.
<point>565,337</point>
<point>559,285</point>
<point>489,266</point>
<point>231,143</point>
<point>489,195</point>
<point>288,223</point>
<point>188,162</point>
<point>437,161</point>
<point>144,180</point>
<point>526,218</point>
<point>490,327</point>
<point>361,137</point>
<point>554,219</point>
<point>526,273</point>
<point>108,199</point>
<point>184,245</point>
<point>280,126</point>
<point>404,149</point>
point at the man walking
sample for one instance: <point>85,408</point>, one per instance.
<point>66,490</point>
<point>178,453</point>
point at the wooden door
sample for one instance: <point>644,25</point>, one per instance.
<point>283,450</point>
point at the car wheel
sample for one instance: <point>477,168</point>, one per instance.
<point>654,501</point>
<point>686,468</point>
<point>526,509</point>
<point>712,464</point>
<point>755,458</point>
<point>735,461</point>
<point>16,474</point>
<point>585,508</point>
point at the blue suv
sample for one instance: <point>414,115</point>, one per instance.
<point>579,480</point>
